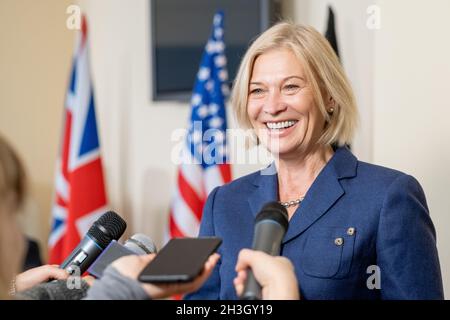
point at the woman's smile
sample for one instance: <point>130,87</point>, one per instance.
<point>280,129</point>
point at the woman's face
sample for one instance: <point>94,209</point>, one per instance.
<point>280,105</point>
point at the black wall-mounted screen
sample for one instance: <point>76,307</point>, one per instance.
<point>180,30</point>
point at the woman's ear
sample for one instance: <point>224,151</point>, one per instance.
<point>331,102</point>
<point>331,105</point>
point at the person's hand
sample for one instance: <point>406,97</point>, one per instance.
<point>35,276</point>
<point>275,275</point>
<point>131,266</point>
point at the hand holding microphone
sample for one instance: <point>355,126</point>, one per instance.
<point>275,275</point>
<point>97,250</point>
<point>270,227</point>
<point>108,227</point>
<point>38,275</point>
<point>34,282</point>
<point>39,289</point>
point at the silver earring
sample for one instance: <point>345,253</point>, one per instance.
<point>331,110</point>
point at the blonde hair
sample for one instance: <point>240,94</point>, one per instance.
<point>323,71</point>
<point>12,194</point>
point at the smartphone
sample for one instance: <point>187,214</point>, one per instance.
<point>181,260</point>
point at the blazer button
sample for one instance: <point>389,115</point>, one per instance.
<point>338,241</point>
<point>351,231</point>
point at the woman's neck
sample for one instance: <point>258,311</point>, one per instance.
<point>296,175</point>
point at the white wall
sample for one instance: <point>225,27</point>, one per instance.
<point>411,107</point>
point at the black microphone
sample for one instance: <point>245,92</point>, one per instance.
<point>110,226</point>
<point>138,244</point>
<point>270,227</point>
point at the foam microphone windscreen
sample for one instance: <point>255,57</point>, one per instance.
<point>55,290</point>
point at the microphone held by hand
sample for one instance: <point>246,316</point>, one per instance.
<point>110,226</point>
<point>270,227</point>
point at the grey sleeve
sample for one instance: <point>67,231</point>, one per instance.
<point>115,286</point>
<point>54,290</point>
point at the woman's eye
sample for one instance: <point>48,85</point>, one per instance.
<point>291,87</point>
<point>256,91</point>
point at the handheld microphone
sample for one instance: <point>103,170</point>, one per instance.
<point>141,244</point>
<point>138,244</point>
<point>110,226</point>
<point>270,227</point>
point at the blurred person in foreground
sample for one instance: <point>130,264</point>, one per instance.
<point>12,241</point>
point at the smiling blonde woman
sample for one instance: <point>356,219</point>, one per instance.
<point>345,216</point>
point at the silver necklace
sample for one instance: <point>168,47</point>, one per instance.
<point>292,203</point>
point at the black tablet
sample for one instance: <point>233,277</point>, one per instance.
<point>181,260</point>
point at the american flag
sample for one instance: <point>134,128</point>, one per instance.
<point>80,191</point>
<point>203,166</point>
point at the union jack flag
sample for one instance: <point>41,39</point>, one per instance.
<point>80,196</point>
<point>203,166</point>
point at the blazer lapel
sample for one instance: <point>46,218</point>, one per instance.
<point>323,193</point>
<point>321,196</point>
<point>266,183</point>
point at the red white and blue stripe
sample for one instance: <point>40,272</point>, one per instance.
<point>205,141</point>
<point>80,196</point>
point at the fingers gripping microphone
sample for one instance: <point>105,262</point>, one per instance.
<point>110,226</point>
<point>138,244</point>
<point>270,227</point>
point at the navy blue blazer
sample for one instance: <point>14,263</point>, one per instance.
<point>380,216</point>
